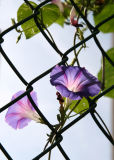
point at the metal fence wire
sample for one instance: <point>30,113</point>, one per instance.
<point>92,102</point>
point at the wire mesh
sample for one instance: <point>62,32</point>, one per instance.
<point>92,102</point>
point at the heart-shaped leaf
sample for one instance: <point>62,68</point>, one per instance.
<point>48,15</point>
<point>106,12</point>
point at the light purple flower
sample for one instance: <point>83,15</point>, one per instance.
<point>74,82</point>
<point>22,112</point>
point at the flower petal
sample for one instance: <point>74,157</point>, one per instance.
<point>23,100</point>
<point>34,97</point>
<point>85,79</point>
<point>73,21</point>
<point>71,74</point>
<point>91,90</point>
<point>22,112</point>
<point>16,107</point>
<point>75,96</point>
<point>63,90</point>
<point>13,120</point>
<point>23,122</point>
<point>72,13</point>
<point>74,82</point>
<point>66,93</point>
<point>58,76</point>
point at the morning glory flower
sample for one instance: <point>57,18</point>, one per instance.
<point>74,82</point>
<point>22,112</point>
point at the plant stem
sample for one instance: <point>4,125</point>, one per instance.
<point>75,59</point>
<point>53,139</point>
<point>43,25</point>
<point>49,155</point>
<point>78,113</point>
<point>103,74</point>
<point>74,43</point>
<point>46,145</point>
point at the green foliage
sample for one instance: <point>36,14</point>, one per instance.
<point>67,10</point>
<point>106,12</point>
<point>29,27</point>
<point>64,15</point>
<point>82,106</point>
<point>50,14</point>
<point>47,16</point>
<point>109,73</point>
<point>60,20</point>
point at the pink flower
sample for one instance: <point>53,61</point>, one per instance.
<point>22,112</point>
<point>73,19</point>
<point>59,4</point>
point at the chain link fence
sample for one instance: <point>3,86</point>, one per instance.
<point>92,102</point>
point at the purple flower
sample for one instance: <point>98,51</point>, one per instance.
<point>22,112</point>
<point>74,82</point>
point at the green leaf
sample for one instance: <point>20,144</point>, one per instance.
<point>50,13</point>
<point>106,12</point>
<point>82,106</point>
<point>67,10</point>
<point>61,20</point>
<point>64,15</point>
<point>29,28</point>
<point>109,73</point>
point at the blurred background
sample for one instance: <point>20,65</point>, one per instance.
<point>84,140</point>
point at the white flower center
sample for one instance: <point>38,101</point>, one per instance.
<point>31,114</point>
<point>73,87</point>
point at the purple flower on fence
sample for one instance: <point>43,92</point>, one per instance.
<point>74,82</point>
<point>22,112</point>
